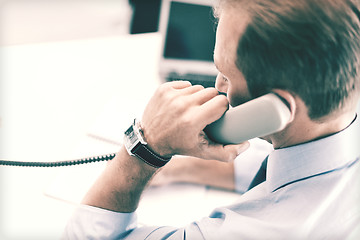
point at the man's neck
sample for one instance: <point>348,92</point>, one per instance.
<point>303,130</point>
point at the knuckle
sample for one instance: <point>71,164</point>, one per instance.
<point>187,119</point>
<point>165,92</point>
<point>209,93</point>
<point>179,103</point>
<point>213,91</point>
<point>161,90</point>
<point>164,87</point>
<point>198,87</point>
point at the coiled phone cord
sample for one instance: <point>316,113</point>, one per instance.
<point>99,158</point>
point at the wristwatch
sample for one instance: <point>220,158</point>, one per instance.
<point>136,145</point>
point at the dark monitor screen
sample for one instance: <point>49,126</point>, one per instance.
<point>190,32</point>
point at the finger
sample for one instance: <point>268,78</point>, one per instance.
<point>237,149</point>
<point>227,153</point>
<point>212,110</point>
<point>191,89</point>
<point>204,95</point>
<point>179,84</point>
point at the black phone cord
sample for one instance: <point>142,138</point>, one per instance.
<point>99,158</point>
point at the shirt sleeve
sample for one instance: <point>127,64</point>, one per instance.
<point>248,163</point>
<point>89,222</point>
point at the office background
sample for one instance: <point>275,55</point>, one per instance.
<point>60,65</point>
<point>67,68</point>
<point>24,22</point>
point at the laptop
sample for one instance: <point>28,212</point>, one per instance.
<point>188,30</point>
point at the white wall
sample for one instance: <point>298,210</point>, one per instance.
<point>31,21</point>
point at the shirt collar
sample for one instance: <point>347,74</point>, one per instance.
<point>305,160</point>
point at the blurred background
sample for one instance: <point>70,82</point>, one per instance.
<point>31,21</point>
<point>60,67</point>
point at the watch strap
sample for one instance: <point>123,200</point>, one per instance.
<point>149,157</point>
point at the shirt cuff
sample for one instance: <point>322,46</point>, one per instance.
<point>248,163</point>
<point>89,222</point>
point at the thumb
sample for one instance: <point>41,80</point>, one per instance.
<point>227,153</point>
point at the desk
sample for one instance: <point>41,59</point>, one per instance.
<point>54,96</point>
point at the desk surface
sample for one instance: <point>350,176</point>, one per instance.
<point>54,97</point>
<point>51,96</point>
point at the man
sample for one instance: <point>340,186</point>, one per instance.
<point>306,51</point>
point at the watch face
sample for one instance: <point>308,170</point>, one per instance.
<point>131,138</point>
<point>136,146</point>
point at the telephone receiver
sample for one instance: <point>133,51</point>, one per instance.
<point>259,117</point>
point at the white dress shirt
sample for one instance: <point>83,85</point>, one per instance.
<point>247,164</point>
<point>312,191</point>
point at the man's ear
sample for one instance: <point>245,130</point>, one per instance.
<point>289,99</point>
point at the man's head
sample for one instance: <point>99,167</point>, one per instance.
<point>310,48</point>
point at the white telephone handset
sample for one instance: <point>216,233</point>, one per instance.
<point>256,118</point>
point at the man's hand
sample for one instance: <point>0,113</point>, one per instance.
<point>173,123</point>
<point>175,117</point>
